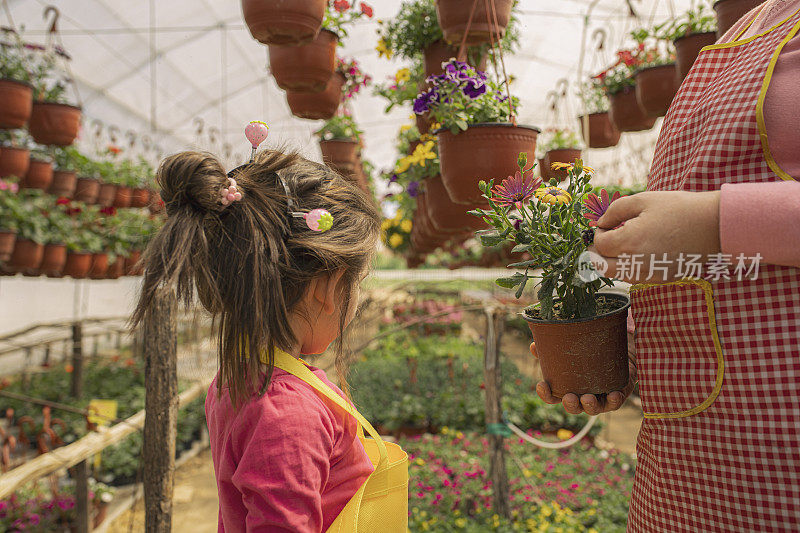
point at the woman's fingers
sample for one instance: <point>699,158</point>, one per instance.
<point>572,404</point>
<point>619,211</point>
<point>614,401</point>
<point>543,390</point>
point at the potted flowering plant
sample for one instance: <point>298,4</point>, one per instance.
<point>40,171</point>
<point>476,138</point>
<point>454,18</point>
<point>16,92</point>
<point>144,173</point>
<point>53,121</point>
<point>65,173</point>
<point>402,88</point>
<point>14,154</point>
<point>619,84</point>
<point>87,184</point>
<point>346,82</point>
<point>31,232</point>
<point>689,33</point>
<point>9,208</point>
<point>57,231</point>
<point>596,127</point>
<point>656,78</point>
<point>559,147</point>
<point>83,241</point>
<point>284,23</point>
<point>580,334</point>
<point>339,140</point>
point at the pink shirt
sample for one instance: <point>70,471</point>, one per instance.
<point>284,462</point>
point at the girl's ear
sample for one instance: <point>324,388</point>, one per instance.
<point>323,290</point>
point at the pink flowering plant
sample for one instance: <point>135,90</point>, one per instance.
<point>354,78</point>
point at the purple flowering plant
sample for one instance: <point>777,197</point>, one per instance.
<point>463,95</point>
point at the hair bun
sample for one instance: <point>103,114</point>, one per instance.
<point>191,178</point>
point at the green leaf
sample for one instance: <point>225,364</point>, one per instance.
<point>511,282</point>
<point>521,248</point>
<point>522,286</point>
<point>491,240</point>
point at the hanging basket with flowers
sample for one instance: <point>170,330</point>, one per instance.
<point>14,154</point>
<point>558,147</point>
<point>690,33</point>
<point>619,84</point>
<point>472,21</point>
<point>16,91</point>
<point>596,127</point>
<point>339,141</point>
<point>282,23</point>
<point>656,77</point>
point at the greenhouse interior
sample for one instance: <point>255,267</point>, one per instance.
<point>399,266</point>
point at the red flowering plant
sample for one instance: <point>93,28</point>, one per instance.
<point>342,13</point>
<point>651,50</point>
<point>354,78</point>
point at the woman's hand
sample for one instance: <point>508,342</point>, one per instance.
<point>589,403</point>
<point>662,226</point>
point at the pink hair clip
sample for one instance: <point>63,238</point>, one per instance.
<point>230,194</point>
<point>319,220</point>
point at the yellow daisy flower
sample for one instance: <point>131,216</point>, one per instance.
<point>570,166</point>
<point>403,164</point>
<point>404,128</point>
<point>553,195</point>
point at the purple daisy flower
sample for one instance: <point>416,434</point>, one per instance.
<point>516,189</point>
<point>597,206</point>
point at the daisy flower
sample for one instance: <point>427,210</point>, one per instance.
<point>597,206</point>
<point>516,189</point>
<point>553,195</point>
<point>570,166</point>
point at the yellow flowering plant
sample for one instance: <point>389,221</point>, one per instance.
<point>396,232</point>
<point>401,88</point>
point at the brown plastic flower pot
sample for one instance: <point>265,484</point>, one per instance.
<point>308,67</point>
<point>86,190</point>
<point>7,240</point>
<point>39,175</point>
<point>439,52</point>
<point>122,196</point>
<point>282,22</point>
<point>730,11</point>
<point>140,197</point>
<point>544,170</point>
<point>340,154</point>
<point>602,132</point>
<point>688,48</point>
<point>317,106</point>
<point>14,161</point>
<point>482,152</point>
<point>77,265</point>
<point>99,266</point>
<point>26,257</point>
<point>116,269</point>
<point>625,112</point>
<point>53,260</point>
<point>656,87</point>
<point>444,215</point>
<point>584,356</point>
<point>562,155</point>
<point>55,124</point>
<point>106,194</point>
<point>432,232</point>
<point>423,123</point>
<point>16,103</point>
<point>132,267</point>
<point>63,184</point>
<point>454,19</point>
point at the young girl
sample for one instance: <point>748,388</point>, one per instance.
<point>275,251</point>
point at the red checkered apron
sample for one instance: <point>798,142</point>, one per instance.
<point>719,360</point>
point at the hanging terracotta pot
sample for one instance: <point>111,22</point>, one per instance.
<point>308,67</point>
<point>439,52</point>
<point>52,123</point>
<point>688,48</point>
<point>444,214</point>
<point>730,11</point>
<point>26,257</point>
<point>656,88</point>
<point>99,266</point>
<point>625,113</point>
<point>340,154</point>
<point>584,356</point>
<point>482,152</point>
<point>14,161</point>
<point>132,267</point>
<point>86,190</point>
<point>63,184</point>
<point>77,265</point>
<point>7,239</point>
<point>561,155</point>
<point>544,170</point>
<point>39,175</point>
<point>116,269</point>
<point>602,132</point>
<point>279,22</point>
<point>423,123</point>
<point>317,105</point>
<point>122,196</point>
<point>16,103</point>
<point>106,194</point>
<point>53,260</point>
<point>140,197</point>
<point>454,19</point>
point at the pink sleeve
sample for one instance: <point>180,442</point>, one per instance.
<point>761,218</point>
<point>285,454</point>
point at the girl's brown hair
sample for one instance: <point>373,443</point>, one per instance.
<point>251,262</point>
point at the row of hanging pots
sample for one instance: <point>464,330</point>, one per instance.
<point>282,22</point>
<point>55,261</point>
<point>625,112</point>
<point>454,19</point>
<point>49,123</point>
<point>688,48</point>
<point>637,108</point>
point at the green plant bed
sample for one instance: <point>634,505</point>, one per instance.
<point>582,489</point>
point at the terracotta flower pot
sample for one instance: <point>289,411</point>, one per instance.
<point>444,214</point>
<point>14,161</point>
<point>308,67</point>
<point>423,123</point>
<point>625,113</point>
<point>122,196</point>
<point>99,266</point>
<point>116,269</point>
<point>340,154</point>
<point>584,356</point>
<point>86,190</point>
<point>140,197</point>
<point>132,267</point>
<point>53,260</point>
<point>39,175</point>
<point>439,52</point>
<point>688,48</point>
<point>544,170</point>
<point>26,257</point>
<point>77,265</point>
<point>454,17</point>
<point>280,22</point>
<point>16,103</point>
<point>656,88</point>
<point>64,183</point>
<point>561,155</point>
<point>52,123</point>
<point>730,11</point>
<point>7,240</point>
<point>100,516</point>
<point>482,152</point>
<point>106,194</point>
<point>602,132</point>
<point>317,106</point>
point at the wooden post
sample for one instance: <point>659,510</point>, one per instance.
<point>493,387</point>
<point>77,360</point>
<point>161,410</point>
<point>82,497</point>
